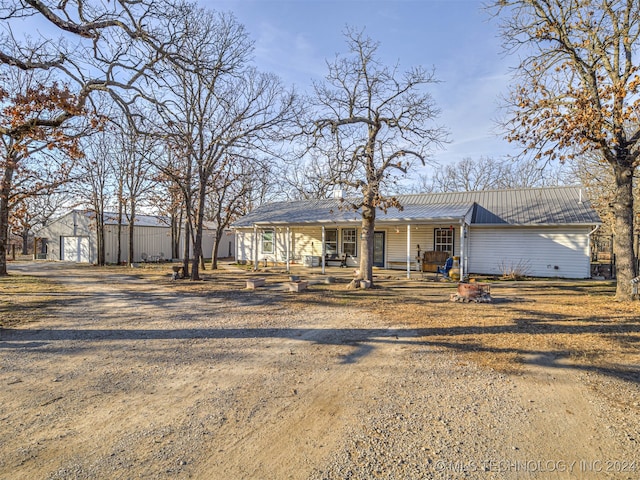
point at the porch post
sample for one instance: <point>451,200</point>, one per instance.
<point>255,248</point>
<point>462,248</point>
<point>288,240</point>
<point>409,251</point>
<point>237,246</point>
<point>322,251</point>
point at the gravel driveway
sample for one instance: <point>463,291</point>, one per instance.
<point>122,378</point>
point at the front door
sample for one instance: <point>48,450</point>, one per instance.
<point>378,249</point>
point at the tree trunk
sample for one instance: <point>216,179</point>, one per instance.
<point>102,257</point>
<point>5,189</point>
<point>214,251</point>
<point>99,212</point>
<point>132,220</point>
<point>176,231</point>
<point>25,242</point>
<point>366,248</point>
<point>119,255</point>
<point>623,238</point>
<point>187,245</point>
<point>100,239</point>
<point>197,241</point>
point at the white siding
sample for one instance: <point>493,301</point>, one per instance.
<point>539,252</point>
<point>244,246</point>
<point>226,248</point>
<point>305,241</point>
<point>207,244</point>
<point>420,235</point>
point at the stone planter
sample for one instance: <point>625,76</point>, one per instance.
<point>297,286</point>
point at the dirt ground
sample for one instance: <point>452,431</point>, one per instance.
<point>124,373</point>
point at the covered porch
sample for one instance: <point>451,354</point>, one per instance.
<point>398,246</point>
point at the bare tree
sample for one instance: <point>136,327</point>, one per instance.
<point>35,211</point>
<point>216,107</point>
<point>35,154</point>
<point>309,175</point>
<point>468,175</point>
<point>95,182</point>
<point>233,192</point>
<point>134,155</point>
<point>597,176</point>
<point>491,174</point>
<point>371,123</point>
<point>103,47</point>
<point>578,93</point>
<point>167,199</point>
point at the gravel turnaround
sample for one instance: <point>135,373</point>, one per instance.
<point>122,379</point>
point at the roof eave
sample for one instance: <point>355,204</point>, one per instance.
<point>563,224</point>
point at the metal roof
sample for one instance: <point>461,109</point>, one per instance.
<point>111,218</point>
<point>330,211</point>
<point>531,206</point>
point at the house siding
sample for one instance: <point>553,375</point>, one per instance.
<point>488,250</point>
<point>538,252</point>
<point>305,241</point>
<point>422,235</point>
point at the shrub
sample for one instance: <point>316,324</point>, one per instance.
<point>514,270</point>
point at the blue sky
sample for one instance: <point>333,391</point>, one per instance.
<point>295,37</point>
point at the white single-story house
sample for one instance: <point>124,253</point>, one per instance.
<point>539,232</point>
<point>72,237</point>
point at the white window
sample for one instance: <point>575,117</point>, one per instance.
<point>349,242</point>
<point>267,241</point>
<point>331,242</point>
<point>443,240</point>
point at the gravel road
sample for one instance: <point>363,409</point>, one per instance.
<point>121,378</point>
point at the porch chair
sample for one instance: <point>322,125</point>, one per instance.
<point>444,269</point>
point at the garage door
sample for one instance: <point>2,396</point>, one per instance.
<point>74,249</point>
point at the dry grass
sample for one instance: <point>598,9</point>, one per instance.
<point>559,322</point>
<point>23,298</point>
<point>568,323</point>
<point>563,323</point>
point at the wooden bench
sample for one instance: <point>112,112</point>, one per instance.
<point>432,260</point>
<point>253,283</point>
<point>335,258</point>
